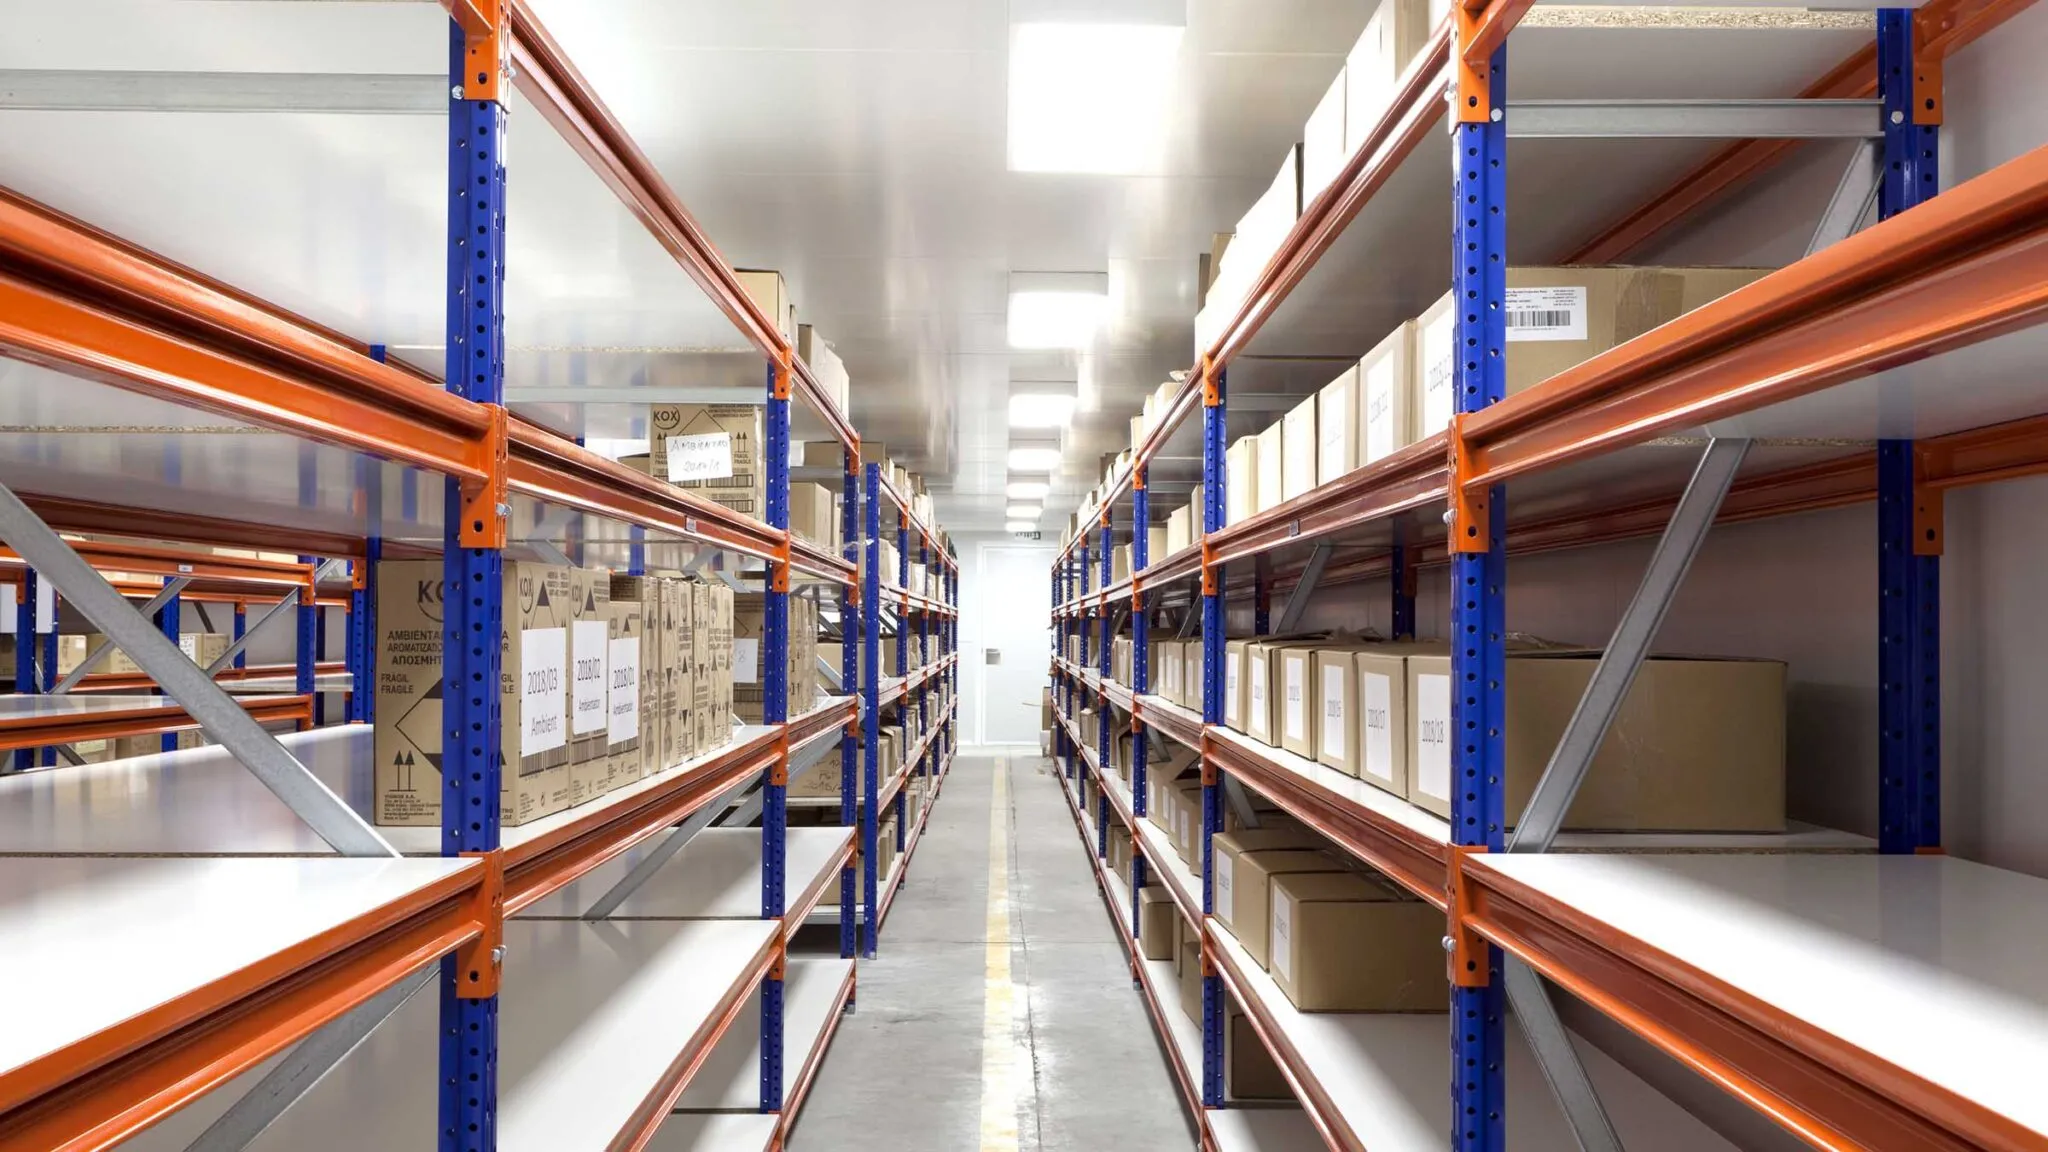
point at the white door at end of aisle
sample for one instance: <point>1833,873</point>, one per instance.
<point>1012,604</point>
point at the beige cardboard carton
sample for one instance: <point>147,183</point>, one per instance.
<point>1251,890</point>
<point>714,449</point>
<point>533,692</point>
<point>1190,972</point>
<point>1249,1071</point>
<point>1386,423</point>
<point>1393,35</point>
<point>625,719</point>
<point>1155,544</point>
<point>1179,531</point>
<point>1271,460</point>
<point>688,697</point>
<point>1560,317</point>
<point>772,295</point>
<point>1349,942</point>
<point>1241,488</point>
<point>1226,849</point>
<point>1698,745</point>
<point>1298,450</point>
<point>589,697</point>
<point>814,515</point>
<point>1236,678</point>
<point>1297,705</point>
<point>1337,427</point>
<point>1323,153</point>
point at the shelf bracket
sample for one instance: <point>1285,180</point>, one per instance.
<point>1562,1069</point>
<point>1468,514</point>
<point>218,714</point>
<point>296,1074</point>
<point>1690,521</point>
<point>659,856</point>
<point>1854,201</point>
<point>1240,802</point>
<point>1297,596</point>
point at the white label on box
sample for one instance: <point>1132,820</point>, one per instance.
<point>189,645</point>
<point>1375,701</point>
<point>707,456</point>
<point>746,659</point>
<point>1433,736</point>
<point>1378,383</point>
<point>1258,691</point>
<point>1223,868</point>
<point>1296,719</point>
<point>592,645</point>
<point>1332,728</point>
<point>625,688</point>
<point>543,689</point>
<point>1436,353</point>
<point>1546,314</point>
<point>1230,663</point>
<point>1280,944</point>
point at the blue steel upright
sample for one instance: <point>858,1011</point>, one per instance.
<point>309,648</point>
<point>473,596</point>
<point>775,711</point>
<point>1909,561</point>
<point>1141,670</point>
<point>167,619</point>
<point>25,647</point>
<point>1478,602</point>
<point>362,634</point>
<point>850,662</point>
<point>1215,1007</point>
<point>871,706</point>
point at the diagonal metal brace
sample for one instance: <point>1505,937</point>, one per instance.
<point>302,1067</point>
<point>184,681</point>
<point>1544,816</point>
<point>106,647</point>
<point>1297,596</point>
<point>290,601</point>
<point>1562,1068</point>
<point>662,853</point>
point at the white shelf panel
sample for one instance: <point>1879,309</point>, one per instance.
<point>731,1079</point>
<point>593,1019</point>
<point>1385,1073</point>
<point>287,685</point>
<point>1162,982</point>
<point>1927,962</point>
<point>1257,1129</point>
<point>1158,848</point>
<point>714,1132</point>
<point>201,801</point>
<point>716,876</point>
<point>76,925</point>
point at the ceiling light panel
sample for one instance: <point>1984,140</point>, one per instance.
<point>1036,458</point>
<point>1028,490</point>
<point>1090,97</point>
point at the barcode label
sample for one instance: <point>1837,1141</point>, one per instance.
<point>1546,314</point>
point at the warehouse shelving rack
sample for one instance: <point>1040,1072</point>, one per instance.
<point>1740,985</point>
<point>110,1055</point>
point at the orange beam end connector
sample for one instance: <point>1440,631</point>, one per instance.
<point>487,46</point>
<point>487,506</point>
<point>482,960</point>
<point>1468,512</point>
<point>1467,951</point>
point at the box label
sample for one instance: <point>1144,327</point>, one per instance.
<point>623,659</point>
<point>1280,945</point>
<point>1546,314</point>
<point>1296,719</point>
<point>1433,736</point>
<point>705,456</point>
<point>1434,347</point>
<point>1230,663</point>
<point>1375,701</point>
<point>1333,712</point>
<point>543,693</point>
<point>1379,410</point>
<point>592,674</point>
<point>746,658</point>
<point>1258,690</point>
<point>1223,868</point>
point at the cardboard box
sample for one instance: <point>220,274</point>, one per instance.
<point>1166,668</point>
<point>202,648</point>
<point>532,692</point>
<point>767,290</point>
<point>1120,564</point>
<point>589,697</point>
<point>624,719</point>
<point>1351,942</point>
<point>1298,450</point>
<point>1386,422</point>
<point>1191,674</point>
<point>1297,700</point>
<point>1393,35</point>
<point>1241,480</point>
<point>1323,151</point>
<point>689,694</point>
<point>1179,531</point>
<point>1270,458</point>
<point>1249,1070</point>
<point>713,449</point>
<point>1698,745</point>
<point>1252,875</point>
<point>1226,848</point>
<point>1190,970</point>
<point>1337,427</point>
<point>825,366</point>
<point>1156,547</point>
<point>1184,800</point>
<point>1235,682</point>
<point>1560,317</point>
<point>814,515</point>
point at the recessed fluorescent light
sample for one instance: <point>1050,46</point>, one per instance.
<point>1027,490</point>
<point>1020,526</point>
<point>1090,98</point>
<point>1023,511</point>
<point>1041,409</point>
<point>1034,459</point>
<point>1057,309</point>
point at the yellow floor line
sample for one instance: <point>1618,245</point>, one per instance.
<point>1001,1060</point>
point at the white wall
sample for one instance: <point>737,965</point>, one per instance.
<point>978,599</point>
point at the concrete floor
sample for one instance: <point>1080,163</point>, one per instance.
<point>905,1072</point>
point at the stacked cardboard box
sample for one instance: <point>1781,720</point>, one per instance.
<point>750,674</point>
<point>714,449</point>
<point>202,648</point>
<point>590,625</point>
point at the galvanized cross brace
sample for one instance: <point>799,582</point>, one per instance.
<point>662,853</point>
<point>106,647</point>
<point>1297,597</point>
